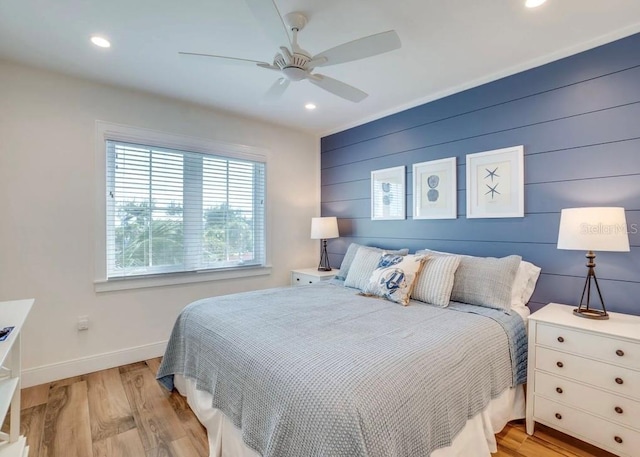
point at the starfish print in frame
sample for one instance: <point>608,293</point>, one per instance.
<point>492,190</point>
<point>492,174</point>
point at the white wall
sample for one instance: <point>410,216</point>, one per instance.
<point>48,224</point>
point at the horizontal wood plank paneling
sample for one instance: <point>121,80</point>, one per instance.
<point>578,121</point>
<point>440,139</point>
<point>595,157</point>
<point>604,60</point>
<point>535,228</point>
<point>610,265</point>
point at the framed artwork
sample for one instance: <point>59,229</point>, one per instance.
<point>495,183</point>
<point>434,189</point>
<point>388,194</point>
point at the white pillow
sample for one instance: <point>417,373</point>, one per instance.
<point>394,277</point>
<point>524,283</point>
<point>364,262</point>
<point>435,282</point>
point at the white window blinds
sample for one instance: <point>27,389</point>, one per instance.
<point>174,211</point>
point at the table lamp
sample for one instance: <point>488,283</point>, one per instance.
<point>323,228</point>
<point>593,229</point>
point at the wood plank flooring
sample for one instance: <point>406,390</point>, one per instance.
<point>123,412</point>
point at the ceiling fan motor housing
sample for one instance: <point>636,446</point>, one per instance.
<point>294,70</point>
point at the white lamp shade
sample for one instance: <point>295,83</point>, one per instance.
<point>593,229</point>
<point>323,228</point>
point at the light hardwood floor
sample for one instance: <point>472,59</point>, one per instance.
<point>123,412</point>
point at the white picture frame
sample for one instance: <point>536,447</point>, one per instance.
<point>434,189</point>
<point>388,194</point>
<point>495,183</point>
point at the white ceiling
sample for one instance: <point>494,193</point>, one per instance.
<point>446,46</point>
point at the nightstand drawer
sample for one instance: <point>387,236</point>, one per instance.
<point>599,374</point>
<point>305,276</point>
<point>608,405</point>
<point>299,279</point>
<point>605,348</point>
<point>620,440</point>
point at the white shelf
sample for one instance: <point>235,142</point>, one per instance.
<point>16,449</point>
<point>7,388</point>
<point>12,314</point>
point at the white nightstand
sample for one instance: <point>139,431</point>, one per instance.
<point>584,377</point>
<point>310,275</point>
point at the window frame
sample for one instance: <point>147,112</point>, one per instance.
<point>116,132</point>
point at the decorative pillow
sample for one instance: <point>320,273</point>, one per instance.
<point>435,282</point>
<point>364,262</point>
<point>394,277</point>
<point>351,253</point>
<point>524,283</point>
<point>485,281</point>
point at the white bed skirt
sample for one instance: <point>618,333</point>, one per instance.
<point>477,438</point>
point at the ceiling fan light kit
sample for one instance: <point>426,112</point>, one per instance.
<point>534,3</point>
<point>296,64</point>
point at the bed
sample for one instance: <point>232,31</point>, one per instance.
<point>323,370</point>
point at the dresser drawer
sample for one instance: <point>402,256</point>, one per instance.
<point>605,404</point>
<point>617,379</point>
<point>616,438</point>
<point>601,347</point>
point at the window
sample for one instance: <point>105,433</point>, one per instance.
<point>170,210</point>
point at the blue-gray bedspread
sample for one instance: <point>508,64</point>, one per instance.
<point>321,371</point>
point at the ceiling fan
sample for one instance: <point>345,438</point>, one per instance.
<point>296,64</point>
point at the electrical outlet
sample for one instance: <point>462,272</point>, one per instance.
<point>83,323</point>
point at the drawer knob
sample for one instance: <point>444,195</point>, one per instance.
<point>559,390</point>
<point>619,352</point>
<point>618,410</point>
<point>297,279</point>
<point>558,416</point>
<point>619,381</point>
<point>560,365</point>
<point>560,339</point>
<point>618,439</point>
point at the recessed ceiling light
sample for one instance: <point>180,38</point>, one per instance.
<point>100,42</point>
<point>310,106</point>
<point>534,3</point>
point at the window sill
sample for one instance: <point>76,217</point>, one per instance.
<point>110,285</point>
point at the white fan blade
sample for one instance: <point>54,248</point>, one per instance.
<point>267,14</point>
<point>229,59</point>
<point>276,90</point>
<point>359,49</point>
<point>337,88</point>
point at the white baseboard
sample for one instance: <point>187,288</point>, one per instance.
<point>56,371</point>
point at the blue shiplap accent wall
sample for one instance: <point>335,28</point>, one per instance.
<point>579,121</point>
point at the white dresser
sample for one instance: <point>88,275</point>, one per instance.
<point>310,275</point>
<point>584,377</point>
